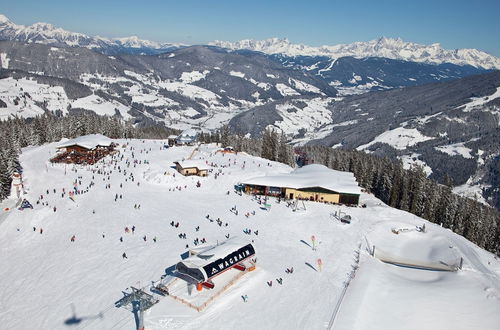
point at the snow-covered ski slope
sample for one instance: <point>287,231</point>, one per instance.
<point>46,276</point>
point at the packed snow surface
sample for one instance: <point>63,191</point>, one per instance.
<point>49,282</point>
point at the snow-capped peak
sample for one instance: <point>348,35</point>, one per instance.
<point>4,19</point>
<point>136,42</point>
<point>48,34</point>
<point>394,48</point>
<point>43,26</point>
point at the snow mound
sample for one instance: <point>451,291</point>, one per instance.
<point>406,245</point>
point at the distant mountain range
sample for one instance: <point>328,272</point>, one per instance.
<point>382,47</point>
<point>47,34</point>
<point>352,75</point>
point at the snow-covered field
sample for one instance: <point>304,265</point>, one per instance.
<point>45,275</point>
<point>399,138</point>
<point>477,102</point>
<point>412,159</point>
<point>27,98</point>
<point>456,149</point>
<point>310,117</point>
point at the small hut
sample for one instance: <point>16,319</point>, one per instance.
<point>192,167</point>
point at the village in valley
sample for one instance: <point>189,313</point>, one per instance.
<point>174,233</point>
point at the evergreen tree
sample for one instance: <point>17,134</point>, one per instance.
<point>224,136</point>
<point>417,189</point>
<point>5,179</point>
<point>285,152</point>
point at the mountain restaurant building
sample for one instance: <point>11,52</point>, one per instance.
<point>87,149</point>
<point>312,182</point>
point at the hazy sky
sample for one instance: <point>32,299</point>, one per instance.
<point>454,24</point>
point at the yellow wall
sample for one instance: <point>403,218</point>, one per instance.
<point>191,171</point>
<point>331,198</point>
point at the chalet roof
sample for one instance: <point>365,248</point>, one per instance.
<point>310,176</point>
<point>201,165</point>
<point>189,133</point>
<point>88,141</point>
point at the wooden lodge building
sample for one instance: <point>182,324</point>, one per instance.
<point>192,167</point>
<point>86,149</point>
<point>312,182</point>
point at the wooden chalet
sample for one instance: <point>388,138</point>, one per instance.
<point>192,167</point>
<point>86,149</point>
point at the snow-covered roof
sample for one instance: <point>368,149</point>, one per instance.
<point>215,252</point>
<point>201,165</point>
<point>88,141</point>
<point>189,132</point>
<point>172,137</point>
<point>309,176</point>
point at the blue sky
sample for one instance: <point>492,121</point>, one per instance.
<point>454,24</point>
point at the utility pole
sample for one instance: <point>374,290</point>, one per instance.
<point>137,302</point>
